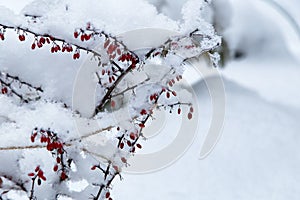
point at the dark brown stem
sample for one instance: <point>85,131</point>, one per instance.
<point>16,78</point>
<point>130,88</point>
<point>31,197</point>
<point>107,96</point>
<point>8,83</point>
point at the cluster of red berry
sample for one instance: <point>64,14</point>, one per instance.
<point>55,48</point>
<point>39,42</point>
<point>83,36</point>
<point>130,142</point>
<point>67,47</point>
<point>76,55</point>
<point>129,58</point>
<point>38,173</point>
<point>190,114</point>
<point>107,196</point>
<point>54,146</point>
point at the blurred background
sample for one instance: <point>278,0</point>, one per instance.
<point>258,155</point>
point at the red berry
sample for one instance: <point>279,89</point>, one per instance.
<point>174,93</point>
<point>111,48</point>
<point>55,168</point>
<point>4,90</point>
<point>179,111</point>
<point>50,146</point>
<point>60,151</point>
<point>143,112</point>
<point>87,37</point>
<point>31,174</point>
<point>58,159</point>
<point>132,136</point>
<point>82,37</point>
<point>88,25</point>
<point>129,143</point>
<point>106,43</point>
<point>118,51</point>
<point>107,195</point>
<point>142,125</point>
<point>33,46</point>
<point>111,57</point>
<point>168,95</point>
<point>43,178</point>
<point>191,109</point>
<point>157,53</point>
<point>40,173</point>
<point>37,169</point>
<point>151,97</point>
<point>116,168</point>
<point>76,56</point>
<point>113,103</point>
<point>42,40</point>
<point>76,34</point>
<point>21,37</point>
<point>32,138</point>
<point>190,115</point>
<point>63,176</point>
<point>59,145</point>
<point>93,167</point>
<point>123,160</point>
<point>139,146</point>
<point>132,150</point>
<point>121,145</point>
<point>122,58</point>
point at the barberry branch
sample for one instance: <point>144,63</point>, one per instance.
<point>51,37</point>
<point>9,83</point>
<point>17,184</point>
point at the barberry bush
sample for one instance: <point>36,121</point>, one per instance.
<point>43,153</point>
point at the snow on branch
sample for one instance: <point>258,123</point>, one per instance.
<point>53,157</point>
